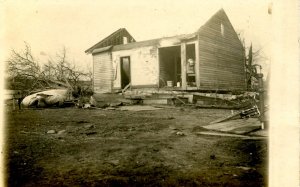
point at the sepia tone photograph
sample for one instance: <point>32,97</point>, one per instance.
<point>142,93</point>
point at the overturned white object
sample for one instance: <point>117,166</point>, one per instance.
<point>46,98</point>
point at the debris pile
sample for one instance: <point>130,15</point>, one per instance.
<point>251,112</point>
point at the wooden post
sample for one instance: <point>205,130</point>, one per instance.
<point>183,66</point>
<point>197,64</point>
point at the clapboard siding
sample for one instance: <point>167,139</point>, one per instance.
<point>221,57</point>
<point>102,72</point>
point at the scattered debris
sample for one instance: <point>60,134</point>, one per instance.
<point>25,132</point>
<point>251,112</point>
<point>196,99</point>
<point>246,168</point>
<point>61,132</point>
<point>212,157</point>
<point>51,132</point>
<point>180,133</point>
<point>86,105</point>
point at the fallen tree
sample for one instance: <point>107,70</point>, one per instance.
<point>26,73</point>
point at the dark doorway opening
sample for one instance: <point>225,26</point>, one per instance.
<point>125,71</point>
<point>169,66</point>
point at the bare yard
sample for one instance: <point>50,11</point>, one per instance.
<point>127,148</point>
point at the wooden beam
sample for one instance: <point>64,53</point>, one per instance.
<point>183,66</point>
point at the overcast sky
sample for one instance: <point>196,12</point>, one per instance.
<point>49,25</point>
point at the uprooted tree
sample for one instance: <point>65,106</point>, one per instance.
<point>26,74</point>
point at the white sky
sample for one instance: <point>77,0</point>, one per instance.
<point>49,25</point>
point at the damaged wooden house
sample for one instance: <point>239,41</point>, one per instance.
<point>210,59</point>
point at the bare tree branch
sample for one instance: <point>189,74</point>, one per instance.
<point>23,66</point>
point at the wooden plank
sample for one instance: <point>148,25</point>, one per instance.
<point>238,126</point>
<point>230,135</point>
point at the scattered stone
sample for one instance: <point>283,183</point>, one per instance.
<point>245,168</point>
<point>51,132</point>
<point>180,133</point>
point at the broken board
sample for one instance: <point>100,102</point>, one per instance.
<point>138,108</point>
<point>238,126</point>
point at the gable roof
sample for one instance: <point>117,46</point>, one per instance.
<point>116,38</point>
<point>221,16</point>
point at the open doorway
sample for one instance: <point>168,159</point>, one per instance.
<point>190,65</point>
<point>125,71</point>
<point>169,66</point>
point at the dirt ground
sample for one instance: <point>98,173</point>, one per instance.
<point>93,147</point>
